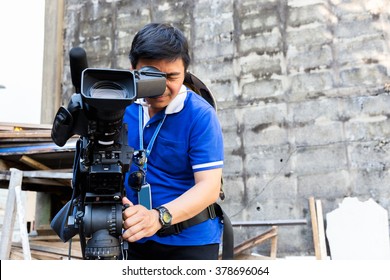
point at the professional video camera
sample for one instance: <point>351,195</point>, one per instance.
<point>102,157</point>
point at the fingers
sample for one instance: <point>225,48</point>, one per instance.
<point>126,202</point>
<point>133,215</point>
<point>139,222</point>
<point>135,233</point>
<point>125,214</point>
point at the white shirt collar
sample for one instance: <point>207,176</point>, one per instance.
<point>177,103</point>
<point>175,106</point>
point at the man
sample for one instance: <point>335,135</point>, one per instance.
<point>182,137</point>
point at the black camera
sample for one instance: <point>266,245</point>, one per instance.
<point>102,157</point>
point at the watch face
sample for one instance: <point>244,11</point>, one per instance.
<point>166,217</point>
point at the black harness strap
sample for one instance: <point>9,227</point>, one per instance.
<point>211,212</point>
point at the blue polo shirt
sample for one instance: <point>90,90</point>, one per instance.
<point>190,140</point>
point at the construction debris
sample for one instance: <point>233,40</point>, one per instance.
<point>30,147</point>
<point>48,248</point>
<point>46,168</point>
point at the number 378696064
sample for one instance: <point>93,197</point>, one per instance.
<point>241,270</point>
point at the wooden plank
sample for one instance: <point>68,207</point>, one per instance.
<point>38,185</point>
<point>33,163</point>
<point>56,248</point>
<point>37,165</point>
<point>37,149</point>
<point>17,254</point>
<point>321,230</point>
<point>52,174</point>
<point>3,165</point>
<point>26,134</point>
<point>53,58</point>
<point>47,251</point>
<point>274,246</point>
<point>20,141</point>
<point>46,174</point>
<point>13,126</point>
<point>45,182</point>
<point>41,255</point>
<point>248,244</point>
<point>314,225</point>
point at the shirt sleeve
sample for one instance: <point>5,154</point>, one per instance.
<point>206,145</point>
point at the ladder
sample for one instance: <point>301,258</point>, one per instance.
<point>14,199</point>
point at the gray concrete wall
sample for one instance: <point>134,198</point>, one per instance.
<point>301,88</point>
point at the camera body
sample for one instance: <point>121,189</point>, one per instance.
<point>102,155</point>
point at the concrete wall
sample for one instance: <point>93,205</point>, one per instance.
<point>301,88</point>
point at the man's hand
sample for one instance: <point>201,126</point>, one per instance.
<point>139,222</point>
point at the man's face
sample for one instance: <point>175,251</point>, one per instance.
<point>175,77</point>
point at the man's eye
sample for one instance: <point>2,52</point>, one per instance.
<point>172,79</point>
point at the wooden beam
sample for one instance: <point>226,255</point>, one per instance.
<point>314,225</point>
<point>47,250</point>
<point>53,60</point>
<point>16,126</point>
<point>37,165</point>
<point>321,230</point>
<point>26,134</point>
<point>46,174</point>
<point>33,163</point>
<point>269,234</point>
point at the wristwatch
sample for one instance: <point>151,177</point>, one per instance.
<point>164,216</point>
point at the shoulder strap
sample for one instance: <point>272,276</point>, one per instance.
<point>227,236</point>
<point>195,84</point>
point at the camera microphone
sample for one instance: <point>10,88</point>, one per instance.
<point>78,62</point>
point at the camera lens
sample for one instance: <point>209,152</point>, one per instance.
<point>108,89</point>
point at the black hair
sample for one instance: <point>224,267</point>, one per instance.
<point>159,41</point>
